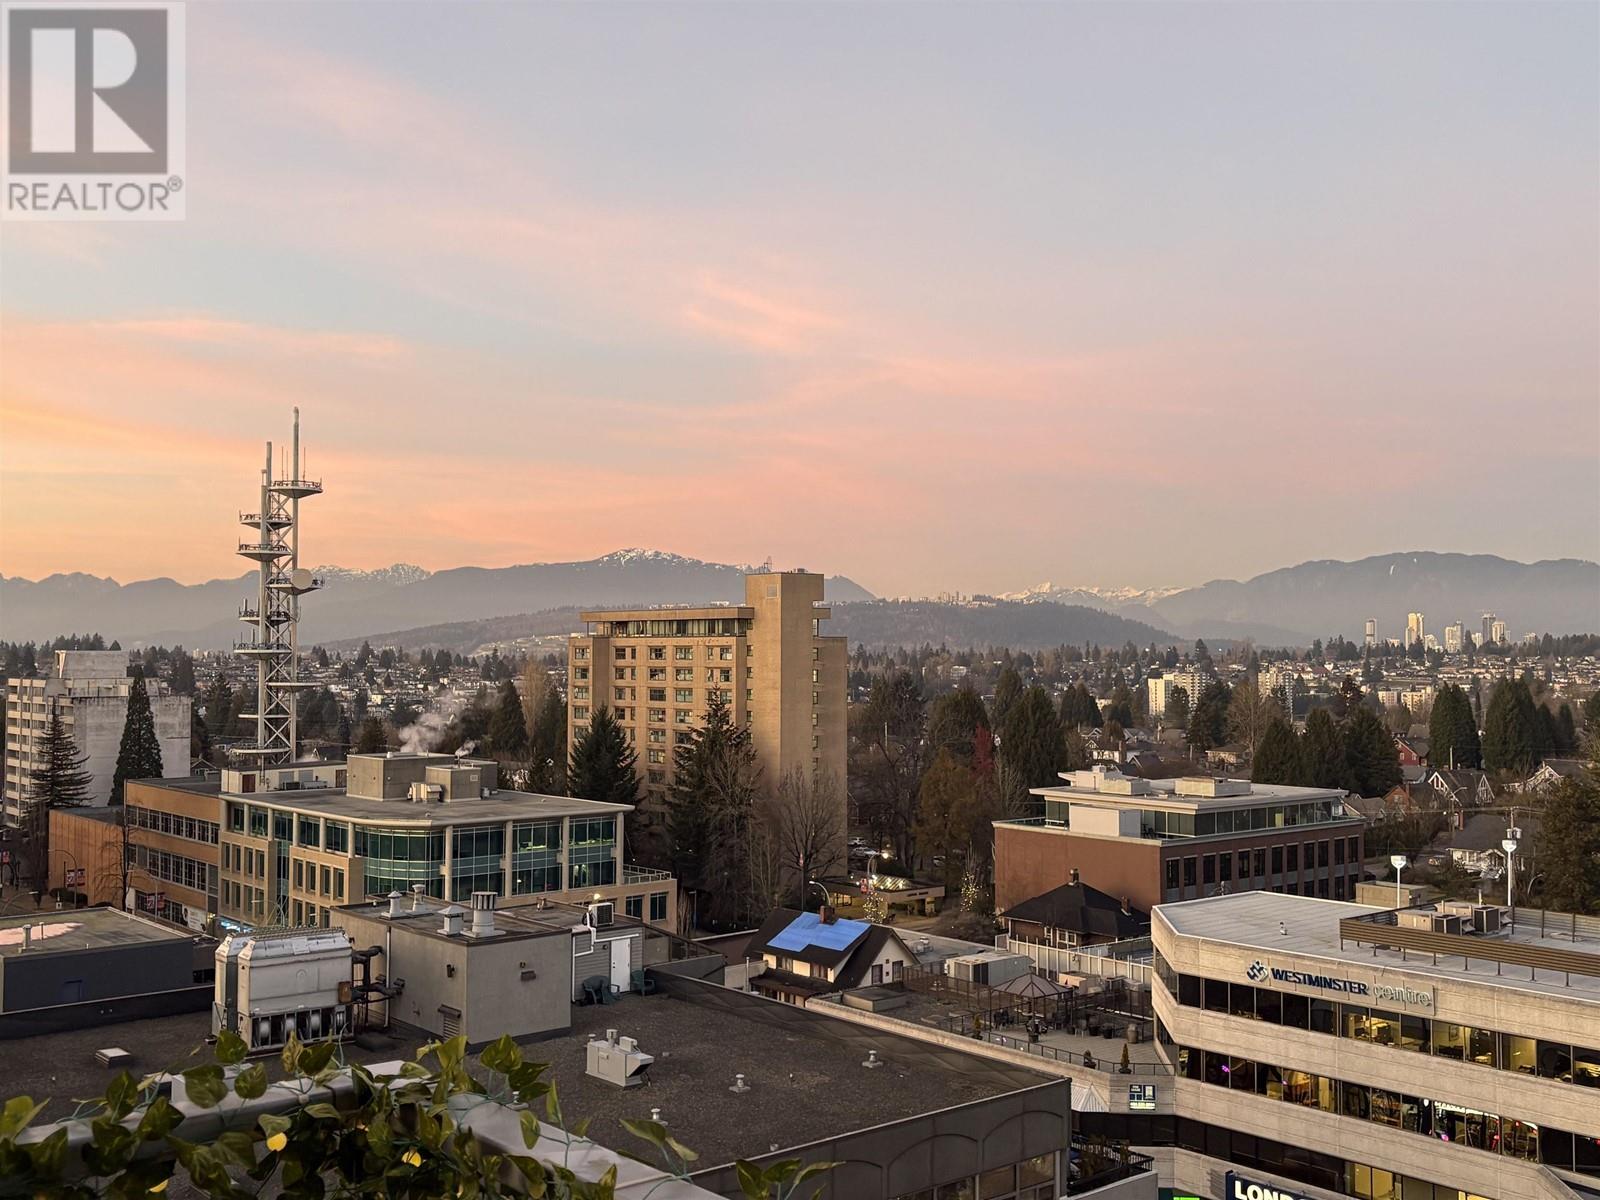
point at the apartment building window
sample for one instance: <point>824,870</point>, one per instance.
<point>816,676</point>
<point>1209,869</point>
<point>235,818</point>
<point>633,906</point>
<point>1225,867</point>
<point>681,716</point>
<point>657,756</point>
<point>619,693</point>
<point>580,712</point>
<point>658,735</point>
<point>580,692</point>
<point>657,673</point>
<point>658,906</point>
<point>621,653</point>
<point>299,873</point>
<point>580,652</point>
<point>654,776</point>
<point>683,695</point>
<point>1188,872</point>
<point>1172,874</point>
<point>591,858</point>
<point>326,876</point>
<point>535,857</point>
<point>658,653</point>
<point>309,832</point>
<point>816,653</point>
<point>658,714</point>
<point>684,675</point>
<point>683,653</point>
<point>1294,855</point>
<point>1322,854</point>
<point>580,673</point>
<point>1261,861</point>
<point>683,738</point>
<point>749,695</point>
<point>338,884</point>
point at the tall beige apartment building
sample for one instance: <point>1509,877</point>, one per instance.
<point>657,668</point>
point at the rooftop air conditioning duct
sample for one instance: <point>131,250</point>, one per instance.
<point>618,1060</point>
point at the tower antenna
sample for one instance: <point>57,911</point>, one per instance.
<point>275,639</point>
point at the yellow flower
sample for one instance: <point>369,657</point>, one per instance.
<point>411,1158</point>
<point>277,1141</point>
<point>161,1187</point>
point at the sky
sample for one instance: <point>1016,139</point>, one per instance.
<point>937,296</point>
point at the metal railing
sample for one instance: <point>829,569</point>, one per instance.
<point>1090,1176</point>
<point>633,874</point>
<point>1079,960</point>
<point>1086,1059</point>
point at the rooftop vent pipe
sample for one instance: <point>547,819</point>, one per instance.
<point>452,922</point>
<point>395,899</point>
<point>483,914</point>
<point>417,890</point>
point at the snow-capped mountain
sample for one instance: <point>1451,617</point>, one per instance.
<point>1110,599</point>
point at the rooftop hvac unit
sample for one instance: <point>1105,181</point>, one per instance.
<point>991,969</point>
<point>602,914</point>
<point>618,1060</point>
<point>1486,918</point>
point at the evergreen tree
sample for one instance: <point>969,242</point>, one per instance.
<point>1509,728</point>
<point>709,810</point>
<point>219,706</point>
<point>1007,691</point>
<point>1371,756</point>
<point>508,728</point>
<point>547,745</point>
<point>1322,757</point>
<point>1031,742</point>
<point>1591,715</point>
<point>1453,730</point>
<point>371,739</point>
<point>1278,758</point>
<point>58,782</point>
<point>1208,723</point>
<point>139,756</point>
<point>1546,736</point>
<point>954,720</point>
<point>1569,843</point>
<point>604,764</point>
<point>1566,729</point>
<point>1177,712</point>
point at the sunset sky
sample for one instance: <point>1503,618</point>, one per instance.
<point>936,296</point>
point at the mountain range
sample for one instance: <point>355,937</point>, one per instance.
<point>415,607</point>
<point>353,604</point>
<point>1326,597</point>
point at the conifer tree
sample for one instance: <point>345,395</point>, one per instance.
<point>508,729</point>
<point>1322,757</point>
<point>1508,728</point>
<point>1031,741</point>
<point>1007,691</point>
<point>1569,842</point>
<point>1370,753</point>
<point>58,782</point>
<point>709,811</point>
<point>371,739</point>
<point>603,765</point>
<point>1277,758</point>
<point>139,756</point>
<point>1453,730</point>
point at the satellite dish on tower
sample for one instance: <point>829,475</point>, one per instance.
<point>302,579</point>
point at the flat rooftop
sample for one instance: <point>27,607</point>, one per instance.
<point>514,920</point>
<point>1189,794</point>
<point>501,805</point>
<point>1310,926</point>
<point>806,1079</point>
<point>82,929</point>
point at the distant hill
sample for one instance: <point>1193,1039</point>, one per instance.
<point>358,603</point>
<point>874,623</point>
<point>1326,597</point>
<point>1021,626</point>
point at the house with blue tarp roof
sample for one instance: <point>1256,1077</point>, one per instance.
<point>812,954</point>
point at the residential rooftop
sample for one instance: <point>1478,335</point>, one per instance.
<point>1190,794</point>
<point>1310,926</point>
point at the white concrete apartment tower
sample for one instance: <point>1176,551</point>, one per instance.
<point>89,688</point>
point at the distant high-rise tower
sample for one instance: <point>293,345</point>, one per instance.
<point>1414,629</point>
<point>275,616</point>
<point>1497,631</point>
<point>1453,637</point>
<point>1487,635</point>
<point>1372,632</point>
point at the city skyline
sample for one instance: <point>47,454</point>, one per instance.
<point>1015,294</point>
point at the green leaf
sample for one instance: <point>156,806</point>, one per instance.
<point>752,1180</point>
<point>121,1094</point>
<point>272,1123</point>
<point>530,1128</point>
<point>315,1058</point>
<point>502,1055</point>
<point>238,1147</point>
<point>17,1114</point>
<point>323,1112</point>
<point>51,1154</point>
<point>291,1055</point>
<point>651,1131</point>
<point>159,1119</point>
<point>378,1137</point>
<point>230,1048</point>
<point>682,1151</point>
<point>205,1085</point>
<point>251,1083</point>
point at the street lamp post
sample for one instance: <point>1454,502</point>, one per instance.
<point>1509,845</point>
<point>818,885</point>
<point>1397,861</point>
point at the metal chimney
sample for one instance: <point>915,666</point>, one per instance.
<point>483,914</point>
<point>395,899</point>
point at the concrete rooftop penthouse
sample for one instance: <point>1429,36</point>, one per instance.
<point>1310,927</point>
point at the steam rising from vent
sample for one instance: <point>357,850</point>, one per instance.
<point>424,733</point>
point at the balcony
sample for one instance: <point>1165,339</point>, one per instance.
<point>296,488</point>
<point>632,874</point>
<point>257,650</point>
<point>253,521</point>
<point>263,551</point>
